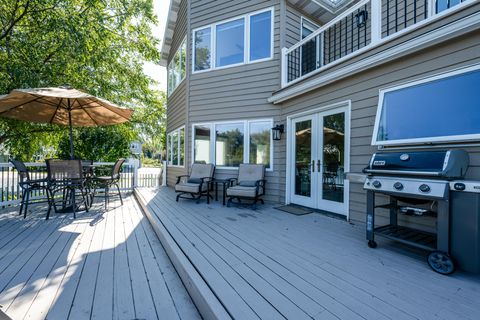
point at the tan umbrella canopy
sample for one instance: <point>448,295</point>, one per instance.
<point>63,106</point>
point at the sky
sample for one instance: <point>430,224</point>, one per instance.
<point>156,72</point>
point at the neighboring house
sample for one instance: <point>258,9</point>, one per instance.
<point>238,68</point>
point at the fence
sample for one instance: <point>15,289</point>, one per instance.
<point>131,177</point>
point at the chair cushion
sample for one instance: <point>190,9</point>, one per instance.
<point>201,171</point>
<point>250,172</point>
<point>190,187</point>
<point>247,183</point>
<point>239,191</point>
<point>194,180</point>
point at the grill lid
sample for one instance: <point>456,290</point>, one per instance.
<point>448,164</point>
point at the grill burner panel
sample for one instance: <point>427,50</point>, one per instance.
<point>407,187</point>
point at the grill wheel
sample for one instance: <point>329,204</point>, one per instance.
<point>441,262</point>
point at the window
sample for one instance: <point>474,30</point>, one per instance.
<point>202,49</point>
<point>230,37</point>
<point>259,138</point>
<point>439,109</point>
<point>201,144</point>
<point>442,5</point>
<point>229,144</point>
<point>244,39</point>
<point>307,28</point>
<point>176,147</point>
<point>177,67</point>
<point>260,36</point>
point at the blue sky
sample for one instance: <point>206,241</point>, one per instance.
<point>157,72</point>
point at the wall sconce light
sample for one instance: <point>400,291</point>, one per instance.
<point>277,132</point>
<point>361,18</point>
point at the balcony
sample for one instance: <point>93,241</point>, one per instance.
<point>358,29</point>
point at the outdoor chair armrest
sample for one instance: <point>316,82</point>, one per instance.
<point>260,184</point>
<point>182,176</point>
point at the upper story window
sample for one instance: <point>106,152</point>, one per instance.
<point>445,109</point>
<point>177,67</point>
<point>241,40</point>
<point>307,28</point>
<point>442,5</point>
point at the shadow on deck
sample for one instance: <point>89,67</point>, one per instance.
<point>102,265</point>
<point>248,264</point>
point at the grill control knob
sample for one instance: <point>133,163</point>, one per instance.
<point>377,184</point>
<point>424,188</point>
<point>398,186</point>
<point>459,186</point>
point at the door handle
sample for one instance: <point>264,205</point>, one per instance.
<point>313,165</point>
<point>318,165</point>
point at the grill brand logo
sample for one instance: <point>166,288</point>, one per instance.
<point>379,162</point>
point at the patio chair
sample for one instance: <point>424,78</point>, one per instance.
<point>250,184</point>
<point>107,182</point>
<point>28,186</point>
<point>66,176</point>
<point>195,184</point>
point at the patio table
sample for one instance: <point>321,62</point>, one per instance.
<point>214,184</point>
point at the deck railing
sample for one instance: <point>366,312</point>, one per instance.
<point>358,29</point>
<point>131,177</point>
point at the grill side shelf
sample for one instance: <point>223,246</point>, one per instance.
<point>416,238</point>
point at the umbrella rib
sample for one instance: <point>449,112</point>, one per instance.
<point>56,110</point>
<point>101,103</point>
<point>22,104</point>
<point>88,114</point>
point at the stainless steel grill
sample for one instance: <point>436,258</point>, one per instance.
<point>417,183</point>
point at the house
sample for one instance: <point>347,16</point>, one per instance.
<point>321,70</point>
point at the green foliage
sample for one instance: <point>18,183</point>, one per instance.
<point>104,144</point>
<point>93,45</point>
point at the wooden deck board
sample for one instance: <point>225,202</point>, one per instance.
<point>102,265</point>
<point>324,259</point>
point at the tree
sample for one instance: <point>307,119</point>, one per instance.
<point>94,45</point>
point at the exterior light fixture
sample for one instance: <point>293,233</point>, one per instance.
<point>277,132</point>
<point>361,18</point>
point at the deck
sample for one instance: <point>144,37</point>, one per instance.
<point>102,265</point>
<point>272,265</point>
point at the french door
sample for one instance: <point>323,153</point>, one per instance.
<point>319,159</point>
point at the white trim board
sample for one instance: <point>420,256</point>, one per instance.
<point>433,37</point>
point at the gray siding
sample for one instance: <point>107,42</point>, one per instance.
<point>362,89</point>
<point>239,92</point>
<point>177,103</point>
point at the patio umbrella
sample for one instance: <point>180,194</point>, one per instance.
<point>63,106</point>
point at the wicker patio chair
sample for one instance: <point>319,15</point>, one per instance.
<point>196,184</point>
<point>107,182</point>
<point>28,186</point>
<point>66,176</point>
<point>250,184</point>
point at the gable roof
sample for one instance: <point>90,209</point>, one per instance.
<point>169,28</point>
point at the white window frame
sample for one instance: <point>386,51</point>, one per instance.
<point>246,140</point>
<point>427,140</point>
<point>176,85</point>
<point>169,147</point>
<point>302,20</point>
<point>246,41</point>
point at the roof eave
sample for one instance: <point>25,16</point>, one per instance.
<point>169,28</point>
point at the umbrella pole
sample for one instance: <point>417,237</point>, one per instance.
<point>71,130</point>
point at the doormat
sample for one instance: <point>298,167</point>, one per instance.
<point>296,210</point>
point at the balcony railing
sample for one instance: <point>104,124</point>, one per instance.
<point>358,29</point>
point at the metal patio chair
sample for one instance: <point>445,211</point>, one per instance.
<point>107,182</point>
<point>196,184</point>
<point>66,176</point>
<point>28,186</point>
<point>250,184</point>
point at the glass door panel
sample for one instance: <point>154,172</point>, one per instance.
<point>303,158</point>
<point>333,155</point>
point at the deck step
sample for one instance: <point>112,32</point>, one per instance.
<point>205,300</point>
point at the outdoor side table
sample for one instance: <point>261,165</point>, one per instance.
<point>225,183</point>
